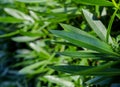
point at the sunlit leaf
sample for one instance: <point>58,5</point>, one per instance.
<point>32,1</point>
<point>18,14</point>
<point>96,25</point>
<point>24,38</point>
<point>60,81</point>
<point>30,68</point>
<point>10,20</point>
<point>83,40</point>
<point>94,2</point>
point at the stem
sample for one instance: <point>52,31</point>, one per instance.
<point>115,4</point>
<point>110,25</point>
<point>97,11</point>
<point>9,34</point>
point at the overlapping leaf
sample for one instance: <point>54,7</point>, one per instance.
<point>89,54</point>
<point>94,2</point>
<point>103,70</point>
<point>18,14</point>
<point>97,26</point>
<point>24,38</point>
<point>10,20</point>
<point>83,39</point>
<point>32,1</point>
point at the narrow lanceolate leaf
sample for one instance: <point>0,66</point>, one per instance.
<point>104,70</point>
<point>84,40</point>
<point>9,34</point>
<point>70,28</point>
<point>97,26</point>
<point>18,14</point>
<point>59,81</point>
<point>98,80</point>
<point>31,1</point>
<point>10,20</point>
<point>64,43</point>
<point>30,68</point>
<point>89,54</point>
<point>94,2</point>
<point>31,34</point>
<point>24,38</point>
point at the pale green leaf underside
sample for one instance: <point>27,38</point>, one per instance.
<point>24,38</point>
<point>97,26</point>
<point>59,81</point>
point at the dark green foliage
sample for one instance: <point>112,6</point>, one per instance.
<point>84,55</point>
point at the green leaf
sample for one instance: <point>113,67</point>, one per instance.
<point>18,14</point>
<point>69,28</point>
<point>96,25</point>
<point>32,1</point>
<point>110,25</point>
<point>104,70</point>
<point>94,2</point>
<point>84,40</point>
<point>60,81</point>
<point>118,38</point>
<point>30,68</point>
<point>64,43</point>
<point>10,20</point>
<point>24,38</point>
<point>118,15</point>
<point>88,54</point>
<point>9,34</point>
<point>31,34</point>
<point>62,10</point>
<point>101,80</point>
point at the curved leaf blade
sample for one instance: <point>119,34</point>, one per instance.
<point>18,14</point>
<point>59,81</point>
<point>84,41</point>
<point>31,1</point>
<point>10,20</point>
<point>103,70</point>
<point>89,54</point>
<point>97,26</point>
<point>24,38</point>
<point>95,2</point>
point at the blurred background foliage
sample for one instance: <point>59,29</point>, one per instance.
<point>27,47</point>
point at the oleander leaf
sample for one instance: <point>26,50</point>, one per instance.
<point>32,1</point>
<point>104,70</point>
<point>18,14</point>
<point>24,38</point>
<point>88,54</point>
<point>10,20</point>
<point>94,2</point>
<point>97,26</point>
<point>59,81</point>
<point>85,40</point>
